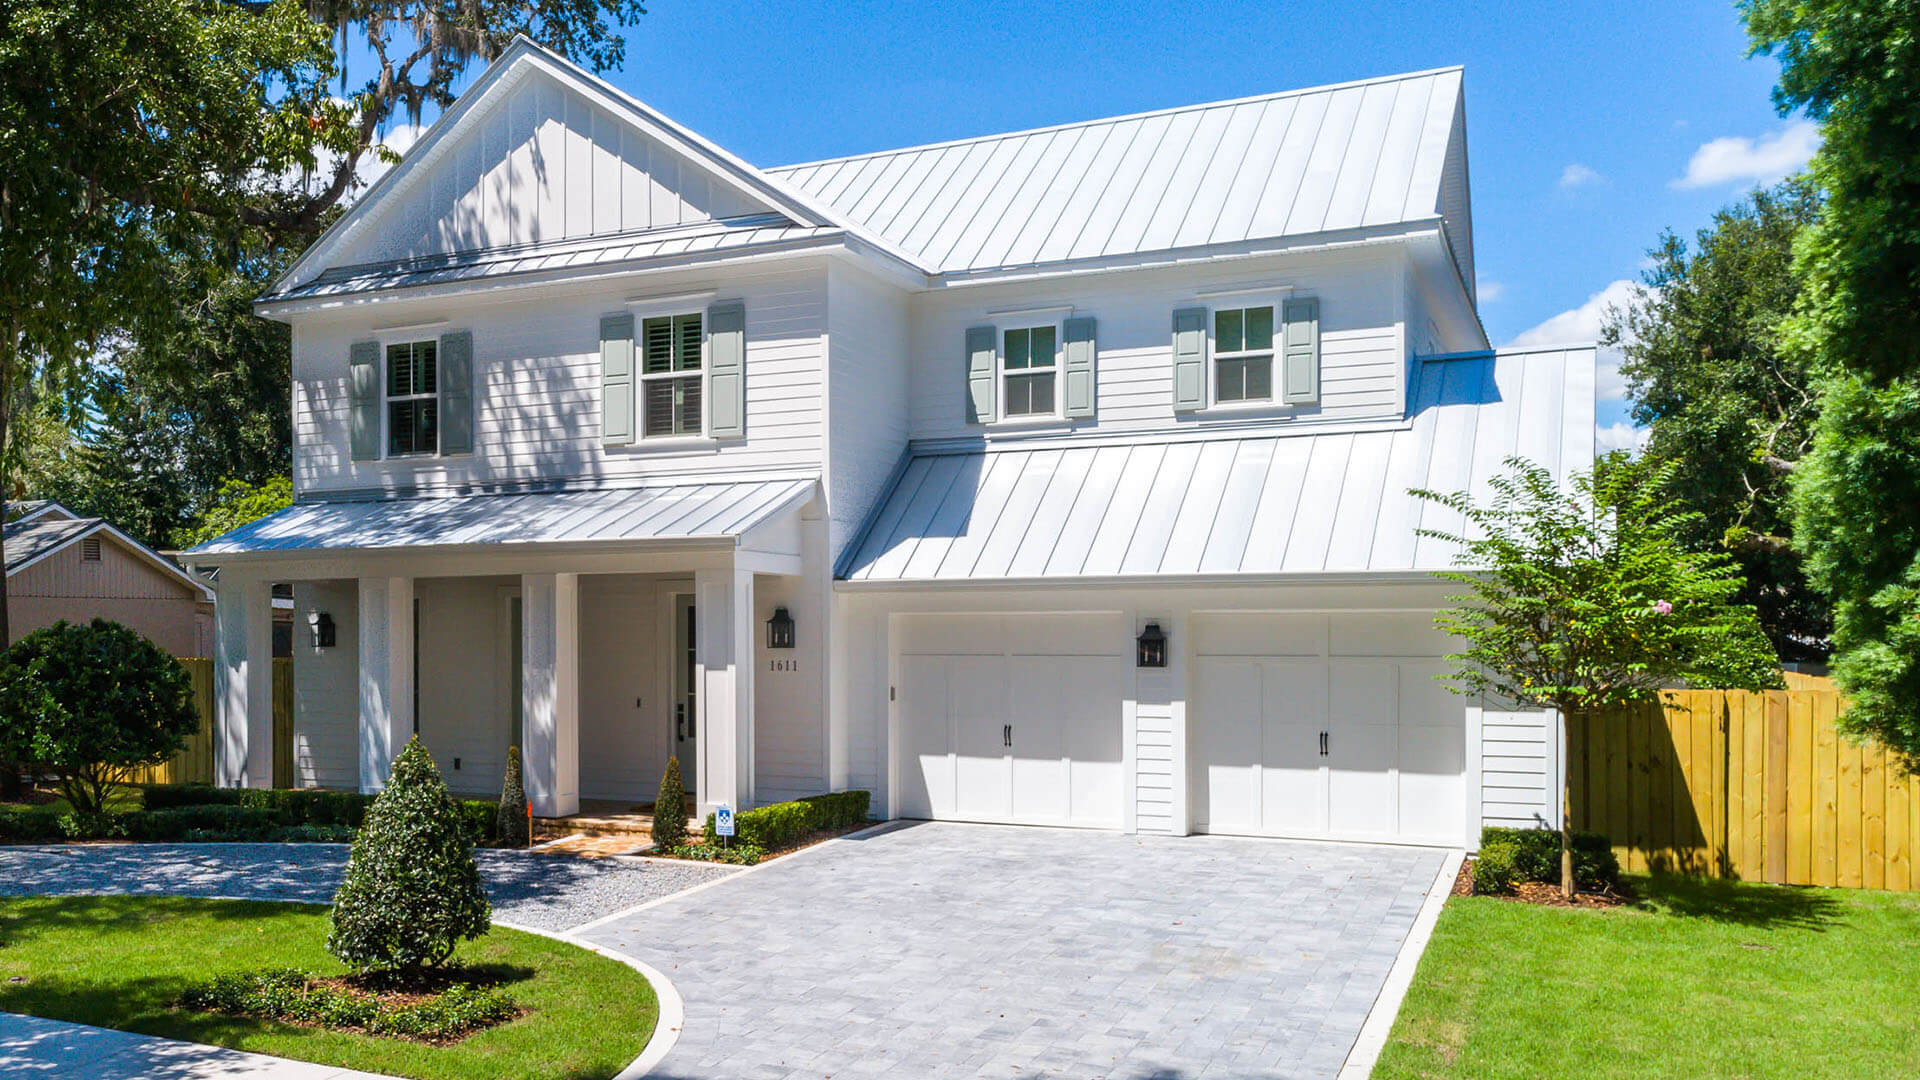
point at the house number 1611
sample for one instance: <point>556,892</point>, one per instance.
<point>783,665</point>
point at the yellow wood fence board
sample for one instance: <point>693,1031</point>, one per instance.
<point>1846,818</point>
<point>1799,789</point>
<point>1873,811</point>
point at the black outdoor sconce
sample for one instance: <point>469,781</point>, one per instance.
<point>1152,645</point>
<point>780,630</point>
<point>321,624</point>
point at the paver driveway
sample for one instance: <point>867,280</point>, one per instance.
<point>970,950</point>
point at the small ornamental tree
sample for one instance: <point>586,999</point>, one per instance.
<point>670,809</point>
<point>513,804</point>
<point>412,889</point>
<point>1583,599</point>
<point>90,703</point>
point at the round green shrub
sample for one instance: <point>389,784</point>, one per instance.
<point>512,827</point>
<point>669,809</point>
<point>89,703</point>
<point>1496,870</point>
<point>412,889</point>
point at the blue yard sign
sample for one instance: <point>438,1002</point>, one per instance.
<point>723,819</point>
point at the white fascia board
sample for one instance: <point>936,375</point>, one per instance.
<point>1122,581</point>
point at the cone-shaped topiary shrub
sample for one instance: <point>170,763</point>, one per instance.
<point>513,804</point>
<point>670,809</point>
<point>412,890</point>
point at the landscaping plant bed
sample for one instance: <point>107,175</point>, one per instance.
<point>454,1004</point>
<point>1540,892</point>
<point>749,854</point>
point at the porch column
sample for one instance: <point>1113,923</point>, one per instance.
<point>723,664</point>
<point>550,692</point>
<point>386,676</point>
<point>243,682</point>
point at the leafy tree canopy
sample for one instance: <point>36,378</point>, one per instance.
<point>1720,398</point>
<point>239,503</point>
<point>1586,598</point>
<point>1854,65</point>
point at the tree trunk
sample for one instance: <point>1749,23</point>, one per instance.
<point>1566,809</point>
<point>12,785</point>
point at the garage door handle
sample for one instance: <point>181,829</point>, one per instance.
<point>1006,735</point>
<point>1323,744</point>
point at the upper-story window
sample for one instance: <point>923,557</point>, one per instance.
<point>1242,354</point>
<point>670,376</point>
<point>1029,362</point>
<point>413,406</point>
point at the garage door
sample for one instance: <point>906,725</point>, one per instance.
<point>1328,726</point>
<point>1013,718</point>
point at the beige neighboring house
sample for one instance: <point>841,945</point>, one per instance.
<point>64,566</point>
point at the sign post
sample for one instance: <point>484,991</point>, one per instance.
<point>723,822</point>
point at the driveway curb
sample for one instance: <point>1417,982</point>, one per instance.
<point>1386,1007</point>
<point>673,1011</point>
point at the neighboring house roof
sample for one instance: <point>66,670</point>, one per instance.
<point>1323,160</point>
<point>28,509</point>
<point>675,512</point>
<point>31,539</point>
<point>1324,502</point>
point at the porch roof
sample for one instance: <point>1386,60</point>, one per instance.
<point>678,512</point>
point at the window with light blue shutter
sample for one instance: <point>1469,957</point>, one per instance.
<point>456,392</point>
<point>1189,359</point>
<point>727,370</point>
<point>1078,363</point>
<point>616,379</point>
<point>1300,352</point>
<point>363,400</point>
<point>982,356</point>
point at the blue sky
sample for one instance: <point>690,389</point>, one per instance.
<point>1591,127</point>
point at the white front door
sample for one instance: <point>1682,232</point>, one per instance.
<point>1014,718</point>
<point>685,689</point>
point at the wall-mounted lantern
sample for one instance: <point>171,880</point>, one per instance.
<point>1152,646</point>
<point>780,630</point>
<point>321,624</point>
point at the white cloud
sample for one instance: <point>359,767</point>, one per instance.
<point>1488,291</point>
<point>1619,436</point>
<point>1578,175</point>
<point>1738,159</point>
<point>1584,323</point>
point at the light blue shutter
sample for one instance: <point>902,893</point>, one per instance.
<point>727,370</point>
<point>1300,344</point>
<point>456,392</point>
<point>616,379</point>
<point>1079,365</point>
<point>1189,359</point>
<point>363,400</point>
<point>981,355</point>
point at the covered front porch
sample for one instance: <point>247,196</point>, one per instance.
<point>597,642</point>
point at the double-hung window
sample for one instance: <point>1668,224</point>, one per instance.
<point>1029,363</point>
<point>413,404</point>
<point>670,376</point>
<point>1242,354</point>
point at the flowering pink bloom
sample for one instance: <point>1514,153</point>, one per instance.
<point>1661,607</point>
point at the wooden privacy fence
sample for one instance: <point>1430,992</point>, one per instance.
<point>1757,786</point>
<point>194,763</point>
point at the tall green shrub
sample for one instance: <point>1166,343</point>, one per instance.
<point>412,889</point>
<point>670,810</point>
<point>513,827</point>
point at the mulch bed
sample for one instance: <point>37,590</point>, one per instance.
<point>1539,893</point>
<point>817,836</point>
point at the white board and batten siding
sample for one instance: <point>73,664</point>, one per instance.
<point>543,164</point>
<point>537,390</point>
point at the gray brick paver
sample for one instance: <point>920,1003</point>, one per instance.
<point>981,951</point>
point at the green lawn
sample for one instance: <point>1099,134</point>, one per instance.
<point>120,961</point>
<point>1698,979</point>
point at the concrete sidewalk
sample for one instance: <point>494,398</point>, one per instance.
<point>46,1049</point>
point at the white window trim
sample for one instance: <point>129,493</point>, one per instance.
<point>641,377</point>
<point>1001,371</point>
<point>407,335</point>
<point>1240,301</point>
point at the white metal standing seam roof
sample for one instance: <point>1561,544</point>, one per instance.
<point>681,512</point>
<point>1290,164</point>
<point>1323,502</point>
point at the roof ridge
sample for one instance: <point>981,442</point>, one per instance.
<point>1145,114</point>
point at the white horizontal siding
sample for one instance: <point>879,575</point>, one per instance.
<point>1520,770</point>
<point>1154,787</point>
<point>536,366</point>
<point>1362,358</point>
<point>867,340</point>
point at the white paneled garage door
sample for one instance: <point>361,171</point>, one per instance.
<point>1011,718</point>
<point>1325,726</point>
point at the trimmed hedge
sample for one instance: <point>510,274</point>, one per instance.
<point>198,813</point>
<point>1493,868</point>
<point>1536,857</point>
<point>782,825</point>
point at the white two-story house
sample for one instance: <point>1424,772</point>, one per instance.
<point>1058,477</point>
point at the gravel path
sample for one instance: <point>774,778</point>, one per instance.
<point>551,892</point>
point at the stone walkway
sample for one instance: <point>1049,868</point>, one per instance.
<point>944,950</point>
<point>36,1049</point>
<point>548,892</point>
